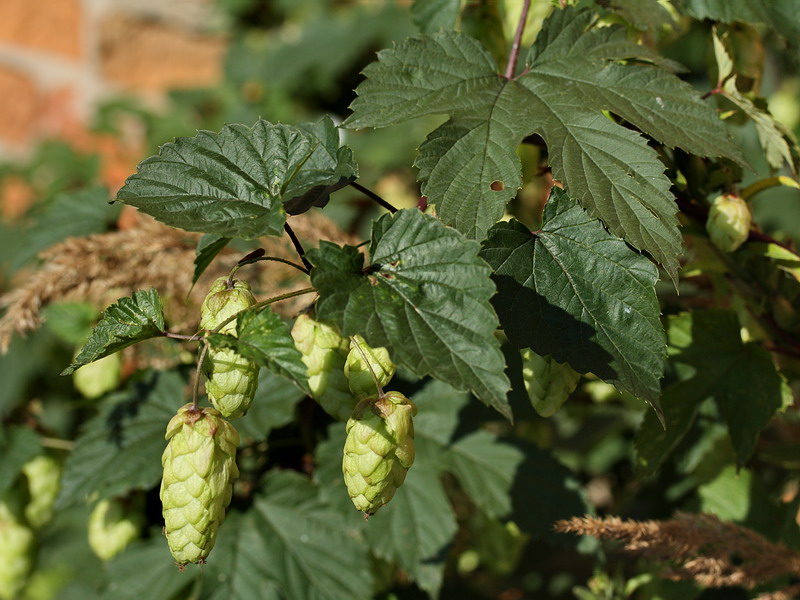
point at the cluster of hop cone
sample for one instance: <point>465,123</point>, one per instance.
<point>346,378</point>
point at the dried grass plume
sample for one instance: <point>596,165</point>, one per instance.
<point>101,268</point>
<point>698,547</point>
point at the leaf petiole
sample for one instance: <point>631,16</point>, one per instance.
<point>363,354</point>
<point>373,196</point>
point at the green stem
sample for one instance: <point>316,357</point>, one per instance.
<point>363,354</point>
<point>57,444</point>
<point>196,387</point>
<point>266,258</point>
<point>764,184</point>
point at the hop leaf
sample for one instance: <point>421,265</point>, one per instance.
<point>199,468</point>
<point>548,382</point>
<point>112,526</point>
<point>99,377</point>
<point>231,379</point>
<point>378,450</point>
<point>44,484</point>
<point>16,551</point>
<point>359,372</point>
<point>728,223</point>
<point>324,354</point>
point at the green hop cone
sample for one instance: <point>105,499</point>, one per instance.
<point>44,483</point>
<point>199,470</point>
<point>549,383</point>
<point>46,583</point>
<point>324,353</point>
<point>378,450</point>
<point>358,372</point>
<point>112,526</point>
<point>16,550</point>
<point>728,223</point>
<point>99,377</point>
<point>231,379</point>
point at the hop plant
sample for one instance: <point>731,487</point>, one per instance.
<point>112,526</point>
<point>379,450</point>
<point>16,549</point>
<point>324,354</point>
<point>358,372</point>
<point>728,223</point>
<point>548,382</point>
<point>99,377</point>
<point>231,379</point>
<point>199,470</point>
<point>44,482</point>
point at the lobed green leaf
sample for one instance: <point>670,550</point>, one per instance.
<point>580,294</point>
<point>263,337</point>
<point>425,296</point>
<point>120,448</point>
<point>573,73</point>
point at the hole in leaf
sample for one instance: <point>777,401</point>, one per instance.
<point>497,186</point>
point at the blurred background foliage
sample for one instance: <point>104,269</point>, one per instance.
<point>297,60</point>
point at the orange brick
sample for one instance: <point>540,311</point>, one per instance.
<point>16,195</point>
<point>19,104</point>
<point>53,26</point>
<point>147,55</point>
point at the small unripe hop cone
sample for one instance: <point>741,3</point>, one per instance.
<point>548,382</point>
<point>362,374</point>
<point>44,483</point>
<point>99,377</point>
<point>378,450</point>
<point>17,542</point>
<point>324,354</point>
<point>112,526</point>
<point>231,379</point>
<point>199,470</point>
<point>728,223</point>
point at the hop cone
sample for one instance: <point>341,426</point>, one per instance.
<point>378,450</point>
<point>16,549</point>
<point>199,469</point>
<point>358,373</point>
<point>112,527</point>
<point>728,223</point>
<point>44,483</point>
<point>231,379</point>
<point>324,353</point>
<point>548,382</point>
<point>99,377</point>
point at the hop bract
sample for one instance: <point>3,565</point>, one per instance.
<point>378,450</point>
<point>199,470</point>
<point>44,482</point>
<point>728,223</point>
<point>324,353</point>
<point>231,379</point>
<point>112,526</point>
<point>548,383</point>
<point>357,370</point>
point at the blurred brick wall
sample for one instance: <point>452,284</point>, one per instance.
<point>58,58</point>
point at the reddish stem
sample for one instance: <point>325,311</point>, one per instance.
<point>515,46</point>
